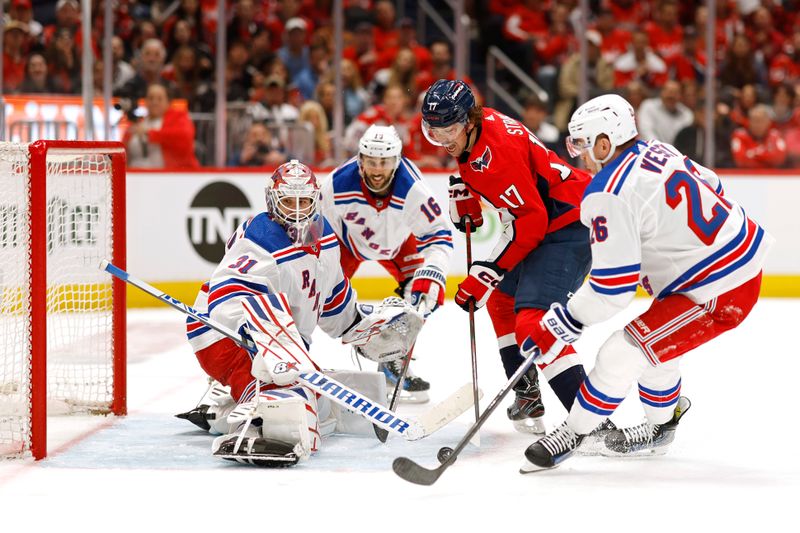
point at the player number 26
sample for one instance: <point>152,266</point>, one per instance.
<point>599,230</point>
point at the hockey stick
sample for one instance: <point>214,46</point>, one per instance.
<point>414,473</point>
<point>468,225</point>
<point>352,400</point>
<point>382,434</point>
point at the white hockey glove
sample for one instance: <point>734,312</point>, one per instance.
<point>555,330</point>
<point>427,289</point>
<point>281,352</point>
<point>387,333</point>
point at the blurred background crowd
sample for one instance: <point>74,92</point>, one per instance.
<point>280,66</point>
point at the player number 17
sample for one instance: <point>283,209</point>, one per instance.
<point>508,193</point>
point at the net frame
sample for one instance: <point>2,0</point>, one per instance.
<point>40,153</point>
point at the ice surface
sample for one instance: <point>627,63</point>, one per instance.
<point>733,467</point>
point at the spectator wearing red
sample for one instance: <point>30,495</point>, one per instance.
<point>760,145</point>
<point>666,34</point>
<point>762,34</point>
<point>363,52</point>
<point>527,22</point>
<point>615,39</point>
<point>68,17</point>
<point>442,68</point>
<point>629,14</point>
<point>385,31</point>
<point>15,49</point>
<point>402,72</point>
<point>785,67</point>
<point>162,139</point>
<point>560,41</point>
<point>22,11</point>
<point>690,64</point>
<point>786,115</point>
<point>407,38</point>
<point>504,8</point>
<point>394,110</point>
<point>728,24</point>
<point>745,99</point>
<point>246,22</point>
<point>640,63</point>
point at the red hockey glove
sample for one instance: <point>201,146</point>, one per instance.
<point>462,205</point>
<point>556,329</point>
<point>427,289</point>
<point>482,279</point>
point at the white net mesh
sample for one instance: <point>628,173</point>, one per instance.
<point>79,310</point>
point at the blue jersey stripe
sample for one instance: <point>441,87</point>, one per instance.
<point>629,269</point>
<point>686,276</point>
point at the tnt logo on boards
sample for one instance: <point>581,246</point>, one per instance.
<point>215,213</point>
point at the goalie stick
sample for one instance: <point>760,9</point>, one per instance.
<point>381,433</point>
<point>352,400</point>
<point>414,473</point>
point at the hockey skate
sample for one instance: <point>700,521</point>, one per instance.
<point>646,438</point>
<point>206,411</point>
<point>551,450</point>
<point>527,411</point>
<point>595,442</point>
<point>414,389</point>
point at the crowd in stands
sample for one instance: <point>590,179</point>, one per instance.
<point>280,66</point>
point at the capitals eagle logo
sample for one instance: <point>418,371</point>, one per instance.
<point>482,162</point>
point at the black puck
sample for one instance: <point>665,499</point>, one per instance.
<point>444,454</point>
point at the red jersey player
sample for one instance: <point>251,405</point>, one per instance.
<point>543,254</point>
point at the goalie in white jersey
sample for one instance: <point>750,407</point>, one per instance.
<point>280,278</point>
<point>381,210</point>
<point>659,220</point>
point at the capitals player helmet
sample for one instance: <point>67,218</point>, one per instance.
<point>384,144</point>
<point>446,103</point>
<point>609,114</point>
<point>292,195</point>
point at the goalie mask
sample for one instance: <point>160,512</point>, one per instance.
<point>292,195</point>
<point>379,152</point>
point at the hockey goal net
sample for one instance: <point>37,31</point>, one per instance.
<point>62,319</point>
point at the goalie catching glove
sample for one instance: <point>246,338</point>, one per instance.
<point>386,332</point>
<point>281,354</point>
<point>463,205</point>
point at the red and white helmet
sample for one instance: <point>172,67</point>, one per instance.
<point>292,195</point>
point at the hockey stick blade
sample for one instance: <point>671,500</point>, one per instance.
<point>414,473</point>
<point>448,409</point>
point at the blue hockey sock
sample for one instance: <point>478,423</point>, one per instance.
<point>511,359</point>
<point>567,383</point>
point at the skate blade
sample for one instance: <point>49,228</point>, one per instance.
<point>534,426</point>
<point>638,454</point>
<point>530,468</point>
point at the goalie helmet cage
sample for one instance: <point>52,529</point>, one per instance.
<point>62,319</point>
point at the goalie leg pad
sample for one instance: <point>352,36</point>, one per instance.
<point>282,352</point>
<point>371,385</point>
<point>290,416</point>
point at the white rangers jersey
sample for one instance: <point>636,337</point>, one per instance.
<point>260,259</point>
<point>659,220</point>
<point>375,228</point>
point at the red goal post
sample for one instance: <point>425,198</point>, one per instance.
<point>62,320</point>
